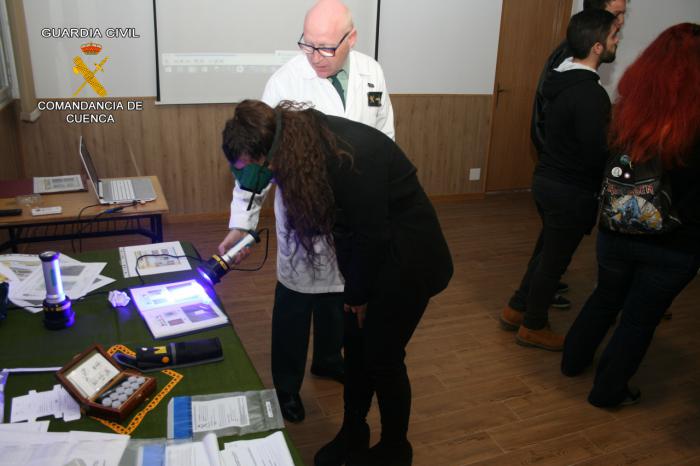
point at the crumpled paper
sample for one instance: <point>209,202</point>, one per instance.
<point>118,298</point>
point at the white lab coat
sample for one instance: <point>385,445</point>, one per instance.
<point>297,81</point>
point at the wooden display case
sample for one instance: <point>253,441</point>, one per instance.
<point>101,387</point>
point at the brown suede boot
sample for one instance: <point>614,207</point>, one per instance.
<point>543,338</point>
<point>511,319</point>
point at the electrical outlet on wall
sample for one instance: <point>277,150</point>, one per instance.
<point>474,174</point>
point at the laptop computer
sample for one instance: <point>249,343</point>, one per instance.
<point>116,190</point>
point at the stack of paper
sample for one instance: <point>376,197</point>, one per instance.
<point>26,278</point>
<point>271,450</point>
<point>19,448</point>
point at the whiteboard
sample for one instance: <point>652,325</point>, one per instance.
<point>213,51</point>
<point>439,46</point>
<point>128,72</point>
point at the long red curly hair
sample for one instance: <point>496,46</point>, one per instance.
<point>658,109</point>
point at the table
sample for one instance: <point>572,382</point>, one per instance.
<point>143,219</point>
<point>25,342</point>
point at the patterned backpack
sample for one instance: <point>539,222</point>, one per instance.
<point>636,200</point>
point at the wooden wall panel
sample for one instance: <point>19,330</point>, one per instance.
<point>444,135</point>
<point>179,144</point>
<point>10,159</point>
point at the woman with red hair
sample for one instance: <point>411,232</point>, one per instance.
<point>656,116</point>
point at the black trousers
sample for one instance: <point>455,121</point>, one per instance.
<point>291,323</point>
<point>639,281</point>
<point>568,213</point>
<point>374,354</point>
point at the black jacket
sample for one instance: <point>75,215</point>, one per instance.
<point>382,214</point>
<point>539,106</point>
<point>578,112</point>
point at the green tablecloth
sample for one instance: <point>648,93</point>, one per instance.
<point>25,342</point>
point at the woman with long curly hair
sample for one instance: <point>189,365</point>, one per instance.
<point>350,185</point>
<point>657,117</point>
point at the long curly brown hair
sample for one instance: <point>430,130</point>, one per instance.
<point>298,164</point>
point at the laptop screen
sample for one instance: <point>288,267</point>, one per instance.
<point>89,166</point>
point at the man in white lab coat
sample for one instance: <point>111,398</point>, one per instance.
<point>338,81</point>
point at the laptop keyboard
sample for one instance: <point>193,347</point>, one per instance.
<point>122,190</point>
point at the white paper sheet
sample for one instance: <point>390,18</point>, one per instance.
<point>26,278</point>
<point>57,184</point>
<point>220,413</point>
<point>60,449</point>
<point>21,264</point>
<point>56,402</point>
<point>202,453</point>
<point>38,426</point>
<point>153,265</point>
<point>268,451</point>
<point>77,278</point>
<point>7,275</point>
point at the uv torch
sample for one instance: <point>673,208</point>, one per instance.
<point>58,313</point>
<point>218,266</point>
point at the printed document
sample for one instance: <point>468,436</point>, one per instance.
<point>220,413</point>
<point>177,308</point>
<point>153,263</point>
<point>269,451</point>
<point>57,184</point>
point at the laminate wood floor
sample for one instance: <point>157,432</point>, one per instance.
<point>478,398</point>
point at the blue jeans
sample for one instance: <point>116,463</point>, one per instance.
<point>641,280</point>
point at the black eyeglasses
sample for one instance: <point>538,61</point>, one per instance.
<point>323,51</point>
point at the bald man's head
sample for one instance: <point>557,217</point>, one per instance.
<point>329,24</point>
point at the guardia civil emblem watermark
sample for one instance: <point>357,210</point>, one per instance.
<point>90,100</point>
<point>89,75</point>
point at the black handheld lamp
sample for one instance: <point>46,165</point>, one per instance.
<point>58,313</point>
<point>218,266</point>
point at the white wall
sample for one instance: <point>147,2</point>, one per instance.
<point>425,46</point>
<point>644,21</point>
<point>439,46</point>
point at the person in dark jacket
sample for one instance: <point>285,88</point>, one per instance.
<point>561,53</point>
<point>618,8</point>
<point>569,171</point>
<point>657,116</point>
<point>350,185</point>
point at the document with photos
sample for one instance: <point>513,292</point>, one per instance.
<point>58,184</point>
<point>171,309</point>
<point>154,258</point>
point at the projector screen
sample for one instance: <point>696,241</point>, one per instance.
<point>221,51</point>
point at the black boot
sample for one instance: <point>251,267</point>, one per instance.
<point>352,440</point>
<point>385,454</point>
